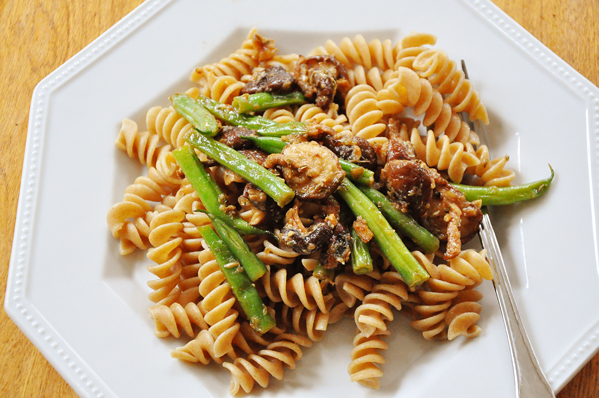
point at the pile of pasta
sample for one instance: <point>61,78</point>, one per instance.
<point>191,299</point>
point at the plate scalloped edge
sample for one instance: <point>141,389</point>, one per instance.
<point>31,322</point>
<point>75,371</point>
<point>588,344</point>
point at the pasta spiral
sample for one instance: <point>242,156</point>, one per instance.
<point>169,320</point>
<point>453,157</point>
<point>280,115</point>
<point>443,73</point>
<point>306,322</point>
<point>128,220</point>
<point>374,77</point>
<point>492,171</point>
<point>411,46</point>
<point>412,91</point>
<point>165,227</point>
<point>295,290</point>
<point>363,112</point>
<point>371,316</point>
<point>253,50</point>
<point>364,359</point>
<point>450,282</point>
<point>141,145</point>
<point>218,303</point>
<point>285,350</point>
<point>275,255</point>
<point>375,53</point>
<point>200,349</point>
<point>351,288</point>
<point>167,124</point>
<point>313,113</point>
<point>222,89</point>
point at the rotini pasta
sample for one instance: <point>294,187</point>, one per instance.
<point>383,94</point>
<point>364,359</point>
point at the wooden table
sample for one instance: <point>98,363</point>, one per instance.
<point>37,36</point>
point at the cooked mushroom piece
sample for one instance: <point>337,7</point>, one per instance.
<point>311,170</point>
<point>429,198</point>
<point>274,79</point>
<point>308,240</point>
<point>231,136</point>
<point>323,79</point>
<point>338,249</point>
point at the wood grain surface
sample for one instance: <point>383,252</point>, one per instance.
<point>37,36</point>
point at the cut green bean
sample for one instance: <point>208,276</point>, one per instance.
<point>323,274</point>
<point>403,222</point>
<point>261,125</point>
<point>253,266</point>
<point>244,290</point>
<point>268,144</point>
<point>385,236</point>
<point>361,260</point>
<point>357,174</point>
<point>272,185</point>
<point>262,101</point>
<point>210,194</point>
<point>196,114</point>
<point>506,195</point>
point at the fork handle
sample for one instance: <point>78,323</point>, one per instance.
<point>529,378</point>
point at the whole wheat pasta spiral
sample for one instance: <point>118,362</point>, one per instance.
<point>286,350</point>
<point>141,145</point>
<point>166,253</point>
<point>280,115</point>
<point>410,90</point>
<point>312,113</point>
<point>492,171</point>
<point>167,124</point>
<point>411,46</point>
<point>363,113</point>
<point>253,51</point>
<point>364,359</point>
<point>374,77</point>
<point>200,349</point>
<point>372,315</point>
<point>170,320</point>
<point>453,157</point>
<point>444,74</point>
<point>312,323</point>
<point>218,303</point>
<point>375,53</point>
<point>222,88</point>
<point>295,290</point>
<point>276,256</point>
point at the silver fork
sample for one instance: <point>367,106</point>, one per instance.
<point>530,381</point>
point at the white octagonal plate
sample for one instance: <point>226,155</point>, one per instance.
<point>85,307</point>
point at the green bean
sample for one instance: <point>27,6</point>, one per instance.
<point>244,290</point>
<point>253,266</point>
<point>361,260</point>
<point>357,174</point>
<point>403,222</point>
<point>385,236</point>
<point>210,194</point>
<point>261,125</point>
<point>261,101</point>
<point>268,144</point>
<point>196,114</point>
<point>506,195</point>
<point>323,274</point>
<point>272,185</point>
